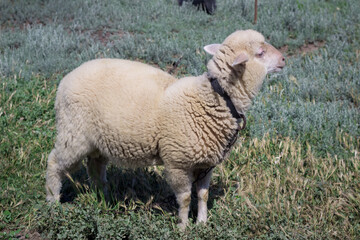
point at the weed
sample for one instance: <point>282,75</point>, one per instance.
<point>294,174</point>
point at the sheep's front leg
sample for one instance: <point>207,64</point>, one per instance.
<point>180,181</point>
<point>202,189</point>
<point>96,169</point>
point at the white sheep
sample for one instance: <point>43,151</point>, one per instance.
<point>135,115</point>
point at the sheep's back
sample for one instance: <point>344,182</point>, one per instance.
<point>115,103</point>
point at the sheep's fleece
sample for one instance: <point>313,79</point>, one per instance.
<point>135,115</point>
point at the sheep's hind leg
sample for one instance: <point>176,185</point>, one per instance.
<point>65,158</point>
<point>53,178</point>
<point>180,181</point>
<point>59,164</point>
<point>96,169</point>
<point>202,189</point>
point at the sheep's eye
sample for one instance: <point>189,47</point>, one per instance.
<point>261,54</point>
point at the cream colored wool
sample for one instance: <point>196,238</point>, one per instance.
<point>135,115</point>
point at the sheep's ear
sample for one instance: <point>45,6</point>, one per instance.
<point>240,59</point>
<point>212,48</point>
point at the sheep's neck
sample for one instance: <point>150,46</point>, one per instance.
<point>241,85</point>
<point>218,89</point>
<point>239,95</point>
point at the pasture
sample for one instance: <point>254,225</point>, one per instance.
<point>293,174</point>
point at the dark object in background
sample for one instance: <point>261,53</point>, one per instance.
<point>206,5</point>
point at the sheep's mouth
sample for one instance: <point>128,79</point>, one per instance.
<point>275,69</point>
<point>278,68</point>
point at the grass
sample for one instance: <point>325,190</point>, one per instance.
<point>295,174</point>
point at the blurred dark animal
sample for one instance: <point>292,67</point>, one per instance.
<point>206,5</point>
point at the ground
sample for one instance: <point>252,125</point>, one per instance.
<point>293,174</point>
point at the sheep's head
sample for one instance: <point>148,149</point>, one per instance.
<point>243,59</point>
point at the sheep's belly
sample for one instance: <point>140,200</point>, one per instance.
<point>136,162</point>
<point>129,153</point>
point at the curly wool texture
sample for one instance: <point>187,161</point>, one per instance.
<point>112,105</point>
<point>105,107</point>
<point>196,124</point>
<point>134,115</point>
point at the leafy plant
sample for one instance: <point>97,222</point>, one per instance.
<point>294,174</point>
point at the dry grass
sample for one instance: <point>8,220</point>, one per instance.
<point>279,180</point>
<point>294,174</point>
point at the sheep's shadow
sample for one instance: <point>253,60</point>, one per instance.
<point>146,187</point>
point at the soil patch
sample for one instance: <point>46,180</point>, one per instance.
<point>105,36</point>
<point>303,50</point>
<point>29,235</point>
<point>26,234</point>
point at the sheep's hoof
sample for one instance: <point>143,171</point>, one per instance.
<point>52,202</point>
<point>201,222</point>
<point>52,199</point>
<point>182,226</point>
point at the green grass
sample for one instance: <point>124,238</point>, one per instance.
<point>295,174</point>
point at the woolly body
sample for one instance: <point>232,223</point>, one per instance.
<point>130,125</point>
<point>135,115</point>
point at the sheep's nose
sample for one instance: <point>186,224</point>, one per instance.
<point>282,62</point>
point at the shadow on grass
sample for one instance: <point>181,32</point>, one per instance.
<point>145,187</point>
